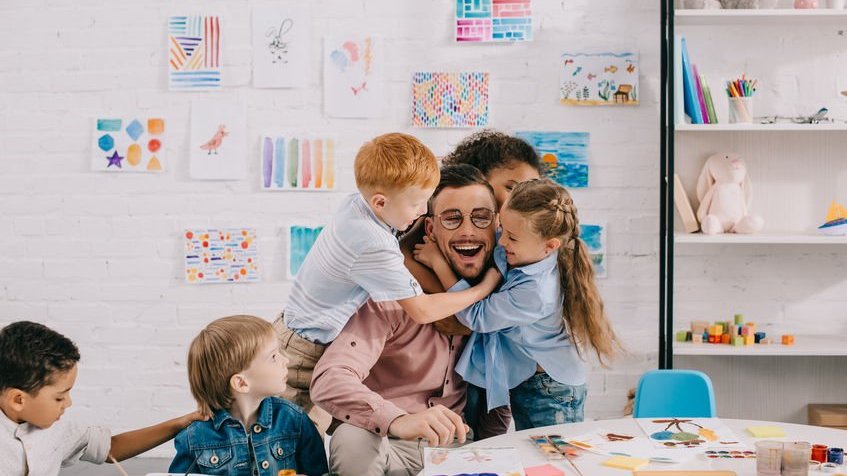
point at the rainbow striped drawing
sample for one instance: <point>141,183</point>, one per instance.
<point>194,52</point>
<point>493,20</point>
<point>297,163</point>
<point>450,99</point>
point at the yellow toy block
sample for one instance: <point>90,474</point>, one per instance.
<point>625,462</point>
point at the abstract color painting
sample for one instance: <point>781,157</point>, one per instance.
<point>565,155</point>
<point>493,20</point>
<point>594,237</point>
<point>194,52</point>
<point>300,241</point>
<point>353,84</point>
<point>221,256</point>
<point>297,163</point>
<point>128,144</point>
<point>450,99</point>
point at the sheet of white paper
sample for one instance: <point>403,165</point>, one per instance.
<point>217,148</point>
<point>680,432</point>
<point>281,35</point>
<point>456,461</point>
<point>353,83</point>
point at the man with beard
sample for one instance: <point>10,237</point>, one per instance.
<point>388,382</point>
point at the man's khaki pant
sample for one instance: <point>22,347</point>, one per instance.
<point>302,357</point>
<point>354,451</point>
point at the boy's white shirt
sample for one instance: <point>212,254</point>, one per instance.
<point>26,450</point>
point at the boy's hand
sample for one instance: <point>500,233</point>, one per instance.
<point>427,253</point>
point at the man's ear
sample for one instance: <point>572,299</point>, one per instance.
<point>428,226</point>
<point>552,245</point>
<point>239,383</point>
<point>377,201</point>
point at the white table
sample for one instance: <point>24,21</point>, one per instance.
<point>590,465</point>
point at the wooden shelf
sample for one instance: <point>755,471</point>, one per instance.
<point>760,239</point>
<point>804,345</point>
<point>780,127</point>
<point>778,17</point>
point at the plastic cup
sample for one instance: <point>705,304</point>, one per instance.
<point>795,458</point>
<point>768,458</point>
<point>741,110</point>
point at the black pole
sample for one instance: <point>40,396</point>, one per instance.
<point>666,188</point>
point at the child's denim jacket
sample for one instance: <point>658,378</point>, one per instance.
<point>283,437</point>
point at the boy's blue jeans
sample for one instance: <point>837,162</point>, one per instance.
<point>542,401</point>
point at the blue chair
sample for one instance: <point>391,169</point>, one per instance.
<point>675,394</point>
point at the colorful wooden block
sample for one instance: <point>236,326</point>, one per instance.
<point>745,331</point>
<point>739,319</point>
<point>749,339</point>
<point>787,339</point>
<point>726,339</point>
<point>738,341</point>
<point>712,338</point>
<point>681,336</point>
<point>697,338</point>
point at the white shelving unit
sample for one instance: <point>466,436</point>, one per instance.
<point>787,238</point>
<point>787,278</point>
<point>777,17</point>
<point>804,345</point>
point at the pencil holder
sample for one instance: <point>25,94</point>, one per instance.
<point>741,110</point>
<point>768,458</point>
<point>795,458</point>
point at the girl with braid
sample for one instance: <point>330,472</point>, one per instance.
<point>530,335</point>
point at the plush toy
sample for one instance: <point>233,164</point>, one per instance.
<point>725,195</point>
<point>805,3</point>
<point>701,4</point>
<point>739,4</point>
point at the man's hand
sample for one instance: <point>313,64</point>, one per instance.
<point>428,254</point>
<point>437,424</point>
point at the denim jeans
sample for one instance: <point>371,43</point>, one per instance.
<point>542,401</point>
<point>485,424</point>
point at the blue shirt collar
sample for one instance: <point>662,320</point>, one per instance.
<point>360,202</point>
<point>264,417</point>
<point>544,265</point>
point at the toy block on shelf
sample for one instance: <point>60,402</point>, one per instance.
<point>697,338</point>
<point>787,339</point>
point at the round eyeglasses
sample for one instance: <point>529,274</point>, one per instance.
<point>481,218</point>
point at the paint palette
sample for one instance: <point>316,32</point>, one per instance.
<point>726,454</point>
<point>553,447</point>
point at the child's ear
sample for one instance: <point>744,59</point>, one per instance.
<point>552,245</point>
<point>377,201</point>
<point>13,398</point>
<point>239,383</point>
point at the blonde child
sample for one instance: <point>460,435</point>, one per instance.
<point>357,257</point>
<point>234,370</point>
<point>526,349</point>
<point>38,369</point>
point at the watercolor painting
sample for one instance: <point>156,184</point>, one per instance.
<point>493,20</point>
<point>688,433</point>
<point>599,79</point>
<point>472,461</point>
<point>221,256</point>
<point>450,99</point>
<point>128,144</point>
<point>301,238</point>
<point>297,163</point>
<point>217,145</point>
<point>353,83</point>
<point>281,34</point>
<point>565,154</point>
<point>594,237</point>
<point>194,52</point>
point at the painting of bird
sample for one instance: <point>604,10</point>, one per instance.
<point>213,144</point>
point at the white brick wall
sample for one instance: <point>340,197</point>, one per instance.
<point>97,256</point>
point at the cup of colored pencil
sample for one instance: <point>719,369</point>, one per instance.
<point>740,94</point>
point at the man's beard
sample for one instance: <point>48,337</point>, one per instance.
<point>473,280</point>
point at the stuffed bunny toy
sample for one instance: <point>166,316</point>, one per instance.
<point>725,195</point>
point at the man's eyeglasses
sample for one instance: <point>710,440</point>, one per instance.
<point>480,217</point>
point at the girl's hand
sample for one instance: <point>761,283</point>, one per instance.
<point>427,253</point>
<point>490,280</point>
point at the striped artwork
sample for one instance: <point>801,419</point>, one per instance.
<point>297,163</point>
<point>194,52</point>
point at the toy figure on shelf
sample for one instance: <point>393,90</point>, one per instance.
<point>725,195</point>
<point>836,221</point>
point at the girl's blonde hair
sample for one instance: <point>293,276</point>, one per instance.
<point>552,214</point>
<point>224,348</point>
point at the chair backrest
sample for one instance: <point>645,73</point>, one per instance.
<point>676,394</point>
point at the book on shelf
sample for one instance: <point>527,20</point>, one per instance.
<point>691,89</point>
<point>707,95</point>
<point>700,99</point>
<point>689,86</point>
<point>683,206</point>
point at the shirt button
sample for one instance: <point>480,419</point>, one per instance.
<point>346,417</point>
<point>447,382</point>
<point>214,459</point>
<point>265,464</point>
<point>257,429</point>
<point>279,451</point>
<point>376,429</point>
<point>353,344</point>
<point>431,404</point>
